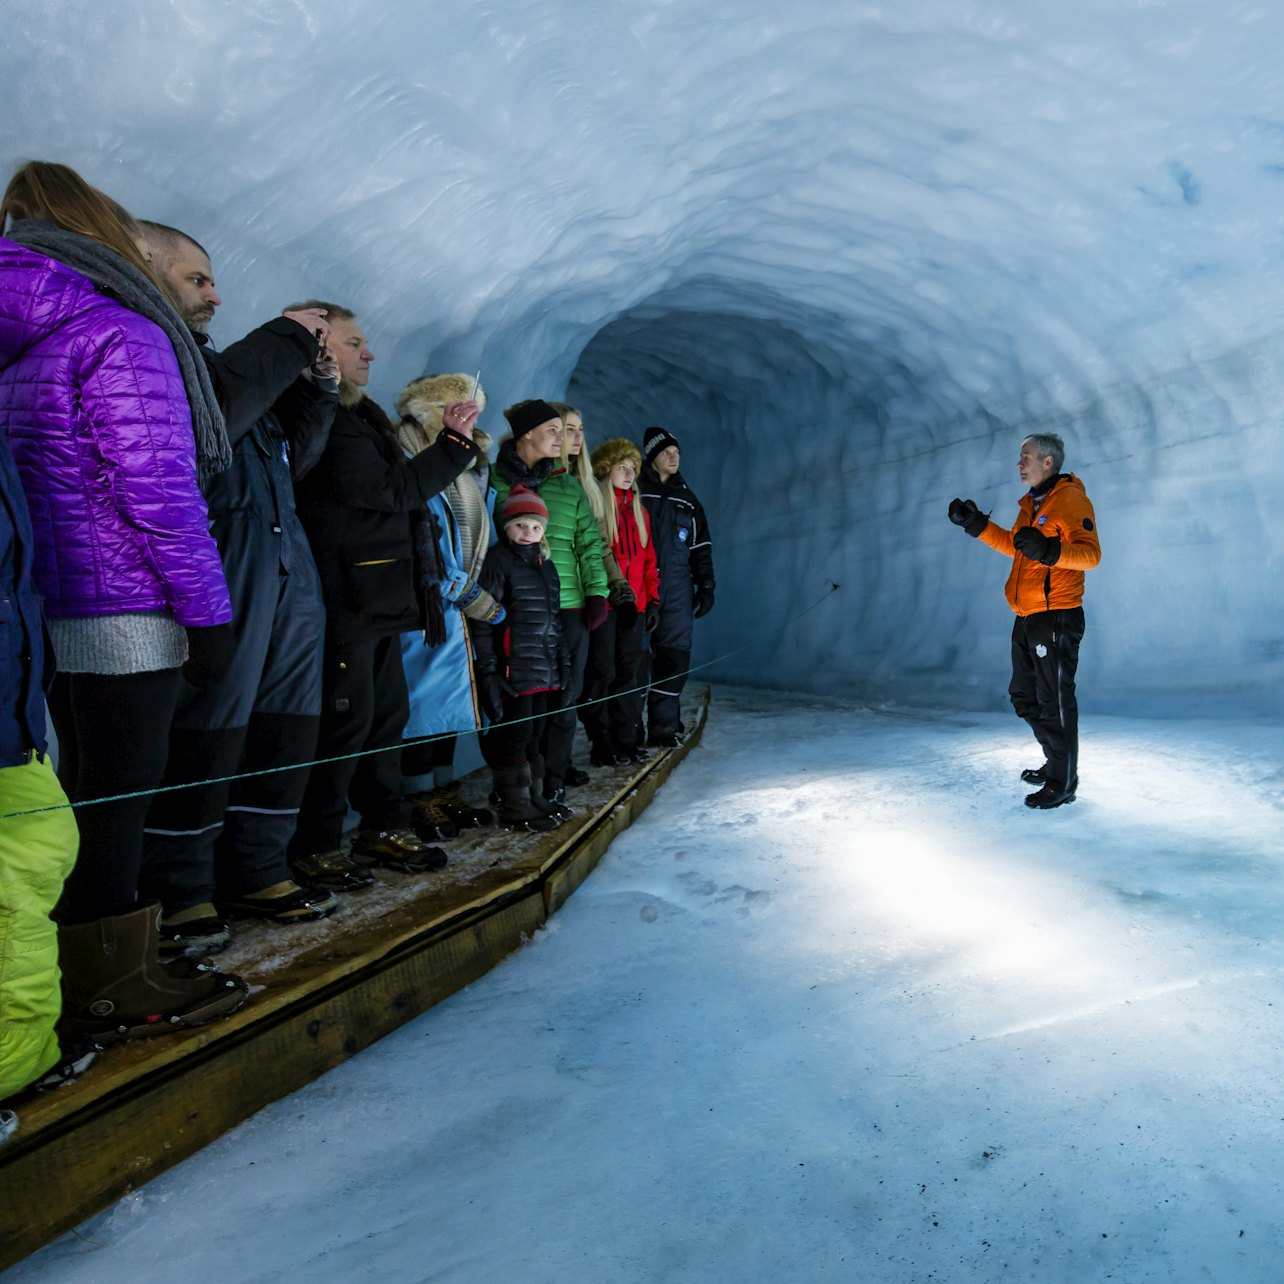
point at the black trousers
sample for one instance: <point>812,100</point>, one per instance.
<point>559,726</point>
<point>613,685</point>
<point>364,706</point>
<point>516,739</point>
<point>669,667</point>
<point>1045,656</point>
<point>232,838</point>
<point>113,738</point>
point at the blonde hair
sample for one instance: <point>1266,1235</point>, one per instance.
<point>581,468</point>
<point>605,458</point>
<point>43,189</point>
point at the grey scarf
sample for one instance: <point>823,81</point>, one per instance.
<point>129,287</point>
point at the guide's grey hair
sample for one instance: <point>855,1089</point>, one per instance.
<point>1048,443</point>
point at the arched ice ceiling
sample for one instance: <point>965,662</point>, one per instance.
<point>849,252</point>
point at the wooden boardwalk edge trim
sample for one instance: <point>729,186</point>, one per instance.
<point>83,1162</point>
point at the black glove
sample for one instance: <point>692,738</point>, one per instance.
<point>1031,542</point>
<point>209,654</point>
<point>621,592</point>
<point>652,616</point>
<point>492,688</point>
<point>594,612</point>
<point>964,513</point>
<point>626,614</point>
<point>703,600</point>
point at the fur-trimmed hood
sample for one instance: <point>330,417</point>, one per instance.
<point>420,406</point>
<point>615,451</point>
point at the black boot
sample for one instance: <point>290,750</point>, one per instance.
<point>1053,794</point>
<point>1035,775</point>
<point>516,810</point>
<point>547,804</point>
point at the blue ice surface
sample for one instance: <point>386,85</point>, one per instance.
<point>838,1006</point>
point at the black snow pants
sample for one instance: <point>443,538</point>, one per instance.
<point>1045,656</point>
<point>231,838</point>
<point>614,670</point>
<point>559,726</point>
<point>364,706</point>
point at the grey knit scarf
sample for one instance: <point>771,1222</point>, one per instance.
<point>129,287</point>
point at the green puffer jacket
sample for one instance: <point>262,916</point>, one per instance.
<point>574,541</point>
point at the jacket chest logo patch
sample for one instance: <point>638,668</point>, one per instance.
<point>1087,523</point>
<point>1042,517</point>
<point>682,535</point>
<point>1041,651</point>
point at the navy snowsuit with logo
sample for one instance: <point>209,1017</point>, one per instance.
<point>232,838</point>
<point>684,551</point>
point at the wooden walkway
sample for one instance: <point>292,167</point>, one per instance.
<point>320,993</point>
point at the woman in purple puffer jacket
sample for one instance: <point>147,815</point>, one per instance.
<point>108,421</point>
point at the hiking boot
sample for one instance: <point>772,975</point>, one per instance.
<point>462,814</point>
<point>606,755</point>
<point>541,798</point>
<point>575,777</point>
<point>284,902</point>
<point>330,869</point>
<point>429,819</point>
<point>665,739</point>
<point>1053,794</point>
<point>194,933</point>
<point>1035,775</point>
<point>635,755</point>
<point>398,849</point>
<point>116,987</point>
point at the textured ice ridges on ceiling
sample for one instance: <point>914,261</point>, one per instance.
<point>848,252</point>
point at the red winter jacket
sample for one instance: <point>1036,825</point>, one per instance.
<point>637,560</point>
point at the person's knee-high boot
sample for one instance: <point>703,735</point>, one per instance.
<point>516,808</point>
<point>554,806</point>
<point>115,986</point>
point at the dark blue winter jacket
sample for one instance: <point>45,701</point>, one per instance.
<point>683,550</point>
<point>26,661</point>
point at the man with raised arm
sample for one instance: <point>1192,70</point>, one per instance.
<point>219,849</point>
<point>1052,543</point>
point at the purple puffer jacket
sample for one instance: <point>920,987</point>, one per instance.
<point>93,406</point>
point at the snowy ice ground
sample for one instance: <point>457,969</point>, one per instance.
<point>837,1007</point>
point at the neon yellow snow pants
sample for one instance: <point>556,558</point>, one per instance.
<point>36,855</point>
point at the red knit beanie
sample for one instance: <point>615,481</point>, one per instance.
<point>524,503</point>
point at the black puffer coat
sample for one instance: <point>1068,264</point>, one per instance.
<point>357,506</point>
<point>526,648</point>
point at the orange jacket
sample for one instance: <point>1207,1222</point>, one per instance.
<point>1065,513</point>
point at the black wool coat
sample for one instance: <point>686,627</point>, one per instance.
<point>358,505</point>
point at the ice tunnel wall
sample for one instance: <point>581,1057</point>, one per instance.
<point>849,254</point>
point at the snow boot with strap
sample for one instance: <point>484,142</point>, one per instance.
<point>115,986</point>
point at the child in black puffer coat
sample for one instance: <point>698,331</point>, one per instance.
<point>522,661</point>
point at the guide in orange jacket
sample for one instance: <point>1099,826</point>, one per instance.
<point>1052,543</point>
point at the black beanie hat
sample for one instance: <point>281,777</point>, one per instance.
<point>655,440</point>
<point>526,415</point>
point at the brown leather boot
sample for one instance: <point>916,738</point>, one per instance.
<point>115,987</point>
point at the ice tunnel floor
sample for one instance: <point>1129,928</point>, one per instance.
<point>838,1007</point>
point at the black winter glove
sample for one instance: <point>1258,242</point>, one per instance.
<point>652,616</point>
<point>703,600</point>
<point>1031,542</point>
<point>626,614</point>
<point>209,654</point>
<point>621,592</point>
<point>492,688</point>
<point>964,513</point>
